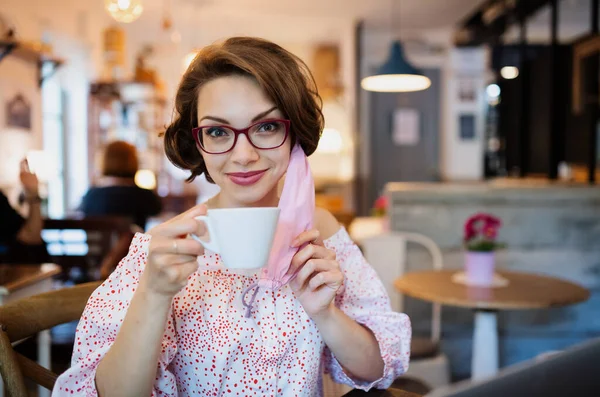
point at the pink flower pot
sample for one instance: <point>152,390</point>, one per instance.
<point>479,268</point>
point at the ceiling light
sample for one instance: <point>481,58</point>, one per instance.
<point>396,75</point>
<point>125,11</point>
<point>509,72</point>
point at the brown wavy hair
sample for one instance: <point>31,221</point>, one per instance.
<point>284,77</point>
<point>120,159</point>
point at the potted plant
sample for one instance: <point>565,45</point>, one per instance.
<point>481,231</point>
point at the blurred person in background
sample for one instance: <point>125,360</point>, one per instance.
<point>116,193</point>
<point>21,238</point>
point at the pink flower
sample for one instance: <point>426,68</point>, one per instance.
<point>469,233</point>
<point>490,232</point>
<point>481,223</point>
<point>381,203</point>
<point>476,220</point>
<point>481,231</point>
<point>492,221</point>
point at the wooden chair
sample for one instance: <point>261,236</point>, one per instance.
<point>24,318</point>
<point>95,244</point>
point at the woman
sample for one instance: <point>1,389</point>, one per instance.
<point>169,320</point>
<point>116,193</point>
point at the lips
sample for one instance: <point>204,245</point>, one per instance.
<point>246,178</point>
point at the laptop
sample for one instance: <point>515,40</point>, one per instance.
<point>572,372</point>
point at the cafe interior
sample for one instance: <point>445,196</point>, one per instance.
<point>460,151</point>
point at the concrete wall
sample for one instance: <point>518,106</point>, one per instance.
<point>549,230</point>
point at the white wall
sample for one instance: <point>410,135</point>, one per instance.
<point>17,77</point>
<point>463,160</point>
<point>74,79</point>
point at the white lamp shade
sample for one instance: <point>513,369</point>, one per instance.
<point>395,83</point>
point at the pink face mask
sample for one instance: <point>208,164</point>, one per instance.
<point>297,208</point>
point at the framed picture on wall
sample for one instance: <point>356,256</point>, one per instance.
<point>18,113</point>
<point>466,127</point>
<point>467,90</point>
<point>406,128</point>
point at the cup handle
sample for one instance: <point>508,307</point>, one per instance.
<point>212,244</point>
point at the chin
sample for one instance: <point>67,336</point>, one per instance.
<point>250,195</point>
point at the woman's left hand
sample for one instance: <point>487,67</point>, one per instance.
<point>318,277</point>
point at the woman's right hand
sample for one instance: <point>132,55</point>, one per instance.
<point>172,257</point>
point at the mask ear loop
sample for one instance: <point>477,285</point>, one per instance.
<point>249,305</point>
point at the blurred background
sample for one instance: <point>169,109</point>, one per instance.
<point>502,117</point>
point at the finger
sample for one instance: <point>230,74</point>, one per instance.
<point>181,246</point>
<point>315,266</point>
<point>332,279</point>
<point>163,261</point>
<point>308,252</point>
<point>25,165</point>
<point>309,236</point>
<point>179,228</point>
<point>193,212</point>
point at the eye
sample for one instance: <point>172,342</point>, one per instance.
<point>269,127</point>
<point>216,132</point>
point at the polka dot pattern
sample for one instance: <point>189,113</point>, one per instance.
<point>210,349</point>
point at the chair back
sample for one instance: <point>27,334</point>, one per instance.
<point>84,243</point>
<point>386,253</point>
<point>24,318</point>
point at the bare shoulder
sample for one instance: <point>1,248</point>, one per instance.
<point>325,223</point>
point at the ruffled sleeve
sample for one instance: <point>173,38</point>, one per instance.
<point>100,323</point>
<point>365,300</point>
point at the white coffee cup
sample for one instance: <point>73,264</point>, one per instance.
<point>241,236</point>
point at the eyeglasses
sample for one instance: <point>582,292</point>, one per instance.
<point>219,139</point>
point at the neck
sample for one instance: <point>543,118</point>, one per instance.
<point>221,200</point>
<point>115,181</point>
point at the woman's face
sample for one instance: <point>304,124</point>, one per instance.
<point>246,175</point>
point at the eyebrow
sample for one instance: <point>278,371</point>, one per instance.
<point>223,121</point>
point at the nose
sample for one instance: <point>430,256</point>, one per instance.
<point>243,152</point>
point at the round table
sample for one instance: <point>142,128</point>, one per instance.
<point>524,291</point>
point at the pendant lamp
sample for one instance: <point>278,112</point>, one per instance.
<point>396,74</point>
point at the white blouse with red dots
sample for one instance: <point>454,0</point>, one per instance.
<point>210,348</point>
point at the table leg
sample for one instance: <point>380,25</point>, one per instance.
<point>485,345</point>
<point>44,349</point>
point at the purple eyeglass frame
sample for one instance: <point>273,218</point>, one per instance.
<point>196,134</point>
